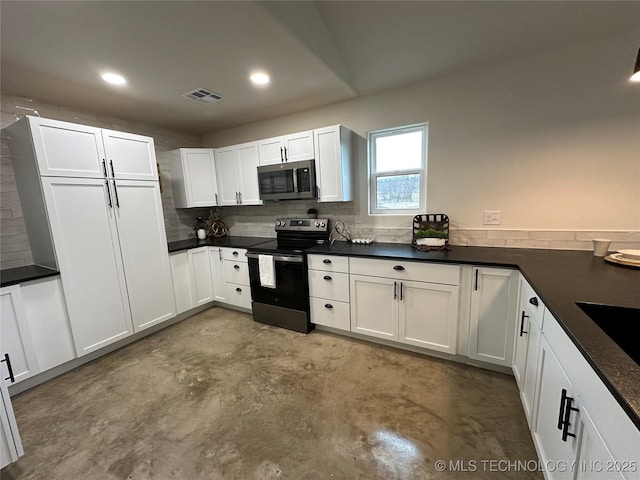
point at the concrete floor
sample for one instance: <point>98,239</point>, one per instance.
<point>219,396</point>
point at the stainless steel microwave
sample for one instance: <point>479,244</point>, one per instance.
<point>287,181</point>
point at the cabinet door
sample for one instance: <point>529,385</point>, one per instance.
<point>550,409</point>
<point>271,151</point>
<point>143,243</point>
<point>298,146</point>
<point>48,322</point>
<point>129,156</point>
<point>67,149</point>
<point>374,306</point>
<point>84,232</point>
<point>16,337</point>
<point>521,342</point>
<point>10,443</point>
<point>247,173</point>
<point>333,173</point>
<point>199,263</point>
<point>200,176</point>
<point>217,273</point>
<point>428,315</point>
<point>595,461</point>
<point>530,375</point>
<point>492,311</point>
<point>226,173</point>
<point>182,281</point>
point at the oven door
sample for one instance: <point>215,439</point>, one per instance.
<point>292,288</point>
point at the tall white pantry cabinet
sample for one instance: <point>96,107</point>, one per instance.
<point>93,210</point>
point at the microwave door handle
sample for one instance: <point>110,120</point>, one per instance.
<point>295,180</point>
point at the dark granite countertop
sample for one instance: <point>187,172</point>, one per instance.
<point>561,278</point>
<point>14,276</point>
<point>231,242</point>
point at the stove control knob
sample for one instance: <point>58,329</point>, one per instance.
<point>322,224</point>
<point>317,224</point>
<point>278,223</point>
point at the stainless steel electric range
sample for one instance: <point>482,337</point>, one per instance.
<point>286,302</point>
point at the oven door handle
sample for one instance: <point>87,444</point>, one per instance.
<point>280,258</point>
<point>295,180</point>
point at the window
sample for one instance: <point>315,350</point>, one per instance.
<point>397,166</point>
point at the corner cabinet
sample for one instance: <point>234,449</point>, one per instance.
<point>193,177</point>
<point>408,302</point>
<point>333,164</point>
<point>493,303</point>
<point>237,172</point>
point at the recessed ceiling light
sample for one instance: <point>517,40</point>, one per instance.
<point>113,78</point>
<point>260,78</point>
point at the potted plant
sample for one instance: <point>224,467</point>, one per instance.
<point>431,237</point>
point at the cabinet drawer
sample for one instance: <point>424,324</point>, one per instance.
<point>235,254</point>
<point>236,272</point>
<point>404,270</point>
<point>238,295</point>
<point>328,263</point>
<point>330,313</point>
<point>528,299</point>
<point>329,285</point>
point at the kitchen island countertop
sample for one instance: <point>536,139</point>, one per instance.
<point>561,278</point>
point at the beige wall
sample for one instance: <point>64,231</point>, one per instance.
<point>551,140</point>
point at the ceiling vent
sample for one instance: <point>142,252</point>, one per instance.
<point>203,95</point>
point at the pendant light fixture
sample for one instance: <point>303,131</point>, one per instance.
<point>636,71</point>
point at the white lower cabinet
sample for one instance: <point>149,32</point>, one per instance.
<point>200,267</point>
<point>235,270</point>
<point>217,273</point>
<point>433,327</point>
<point>374,306</point>
<point>237,295</point>
<point>17,353</point>
<point>192,282</point>
<point>10,443</point>
<point>577,422</point>
<point>329,294</point>
<point>48,322</point>
<point>423,314</point>
<point>557,424</point>
<point>493,303</point>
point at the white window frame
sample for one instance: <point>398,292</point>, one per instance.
<point>373,174</point>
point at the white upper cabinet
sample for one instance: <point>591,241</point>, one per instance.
<point>193,178</point>
<point>247,174</point>
<point>333,164</point>
<point>237,172</point>
<point>129,156</point>
<point>288,148</point>
<point>493,306</point>
<point>65,149</point>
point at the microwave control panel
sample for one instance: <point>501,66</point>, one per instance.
<point>304,180</point>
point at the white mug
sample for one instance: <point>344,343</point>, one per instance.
<point>600,247</point>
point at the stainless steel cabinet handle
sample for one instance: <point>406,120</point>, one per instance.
<point>280,258</point>
<point>522,330</point>
<point>286,159</point>
<point>113,174</point>
<point>281,156</point>
<point>395,290</point>
<point>106,184</point>
<point>240,198</point>
<point>220,254</point>
<point>401,293</point>
<point>115,191</point>
<point>104,167</point>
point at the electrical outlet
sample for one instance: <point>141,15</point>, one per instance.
<point>358,219</point>
<point>491,217</point>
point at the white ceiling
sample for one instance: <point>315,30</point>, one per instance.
<point>316,52</point>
